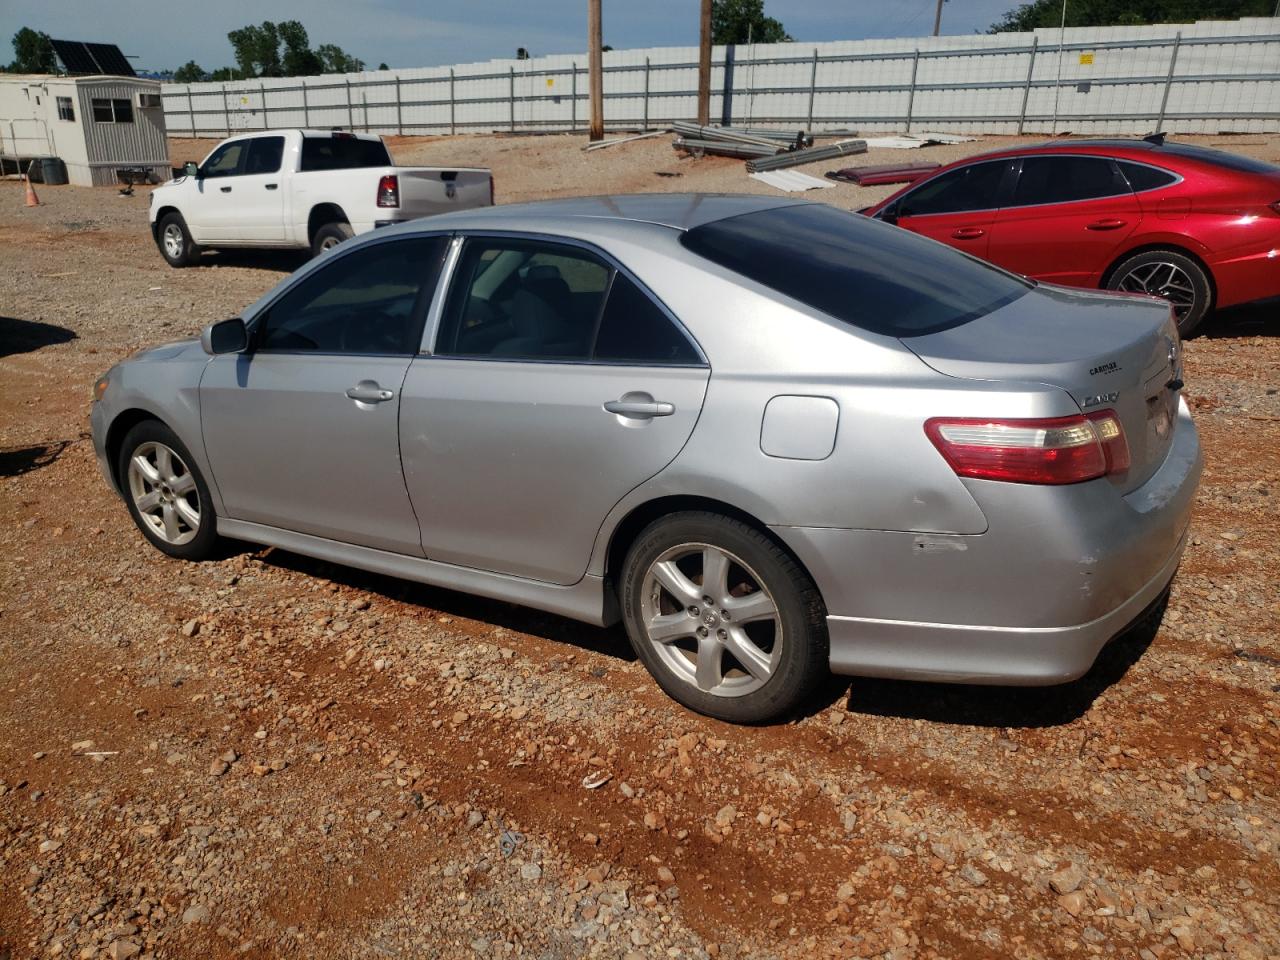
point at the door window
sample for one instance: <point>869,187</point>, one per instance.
<point>1066,180</point>
<point>530,300</point>
<point>225,161</point>
<point>975,187</point>
<point>368,301</point>
<point>265,154</point>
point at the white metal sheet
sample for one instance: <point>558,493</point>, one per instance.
<point>792,181</point>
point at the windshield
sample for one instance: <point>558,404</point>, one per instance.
<point>870,275</point>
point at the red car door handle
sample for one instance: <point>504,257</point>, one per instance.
<point>1110,224</point>
<point>968,233</point>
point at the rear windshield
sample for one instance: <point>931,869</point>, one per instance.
<point>873,276</point>
<point>1219,158</point>
<point>342,153</point>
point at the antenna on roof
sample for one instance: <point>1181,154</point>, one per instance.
<point>1156,138</point>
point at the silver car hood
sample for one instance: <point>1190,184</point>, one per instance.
<point>176,349</point>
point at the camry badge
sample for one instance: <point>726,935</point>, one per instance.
<point>1098,399</point>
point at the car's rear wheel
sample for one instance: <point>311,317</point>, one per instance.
<point>166,494</point>
<point>725,620</point>
<point>176,245</point>
<point>329,236</point>
<point>1172,276</point>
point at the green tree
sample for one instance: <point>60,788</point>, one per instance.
<point>737,21</point>
<point>33,52</point>
<point>225,74</point>
<point>189,72</point>
<point>336,60</point>
<point>1107,13</point>
<point>257,50</point>
<point>299,59</point>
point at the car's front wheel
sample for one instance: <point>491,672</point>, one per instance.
<point>176,245</point>
<point>725,620</point>
<point>166,494</point>
<point>1172,276</point>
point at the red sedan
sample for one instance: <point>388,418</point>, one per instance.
<point>1198,227</point>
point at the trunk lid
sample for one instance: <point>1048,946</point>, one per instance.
<point>1108,352</point>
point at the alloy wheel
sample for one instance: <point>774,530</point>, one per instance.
<point>164,491</point>
<point>1165,280</point>
<point>711,620</point>
<point>173,241</point>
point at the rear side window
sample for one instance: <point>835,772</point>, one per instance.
<point>533,300</point>
<point>1067,179</point>
<point>369,301</point>
<point>867,274</point>
<point>975,187</point>
<point>342,153</point>
<point>264,155</point>
<point>1220,158</point>
<point>1141,177</point>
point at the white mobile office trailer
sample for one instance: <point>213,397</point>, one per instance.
<point>99,126</point>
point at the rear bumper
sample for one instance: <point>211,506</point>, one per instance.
<point>1059,572</point>
<point>1248,277</point>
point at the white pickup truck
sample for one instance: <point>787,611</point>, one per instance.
<point>303,189</point>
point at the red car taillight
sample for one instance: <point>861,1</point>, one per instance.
<point>389,191</point>
<point>1056,450</point>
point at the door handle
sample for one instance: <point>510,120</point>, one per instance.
<point>640,409</point>
<point>1107,224</point>
<point>369,391</point>
<point>271,186</point>
<point>225,189</point>
<point>968,233</point>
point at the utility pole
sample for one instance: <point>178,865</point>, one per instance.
<point>937,18</point>
<point>704,66</point>
<point>595,66</point>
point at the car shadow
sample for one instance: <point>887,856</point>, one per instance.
<point>15,461</point>
<point>609,641</point>
<point>1014,707</point>
<point>24,336</point>
<point>1247,320</point>
<point>273,261</point>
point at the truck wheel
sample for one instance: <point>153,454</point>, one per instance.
<point>329,236</point>
<point>174,240</point>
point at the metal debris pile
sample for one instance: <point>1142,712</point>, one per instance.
<point>762,149</point>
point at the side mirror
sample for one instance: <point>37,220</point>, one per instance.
<point>191,169</point>
<point>890,214</point>
<point>225,336</point>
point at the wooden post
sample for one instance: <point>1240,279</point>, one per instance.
<point>704,65</point>
<point>645,125</point>
<point>453,117</point>
<point>306,108</point>
<point>595,65</point>
<point>813,85</point>
<point>911,95</point>
<point>1168,83</point>
<point>262,92</point>
<point>399,115</point>
<point>191,112</point>
<point>226,113</point>
<point>1026,89</point>
<point>573,97</point>
<point>351,117</point>
<point>511,100</point>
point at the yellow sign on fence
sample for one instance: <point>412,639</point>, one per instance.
<point>1086,59</point>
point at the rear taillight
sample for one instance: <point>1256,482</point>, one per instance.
<point>1048,451</point>
<point>389,191</point>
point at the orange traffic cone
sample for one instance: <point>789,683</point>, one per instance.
<point>32,199</point>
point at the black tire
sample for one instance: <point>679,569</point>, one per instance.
<point>140,440</point>
<point>175,243</point>
<point>800,664</point>
<point>1154,271</point>
<point>329,236</point>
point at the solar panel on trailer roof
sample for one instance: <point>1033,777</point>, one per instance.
<point>75,58</point>
<point>110,59</point>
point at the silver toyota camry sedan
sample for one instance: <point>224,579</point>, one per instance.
<point>773,438</point>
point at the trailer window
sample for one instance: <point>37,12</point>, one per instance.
<point>65,110</point>
<point>112,111</point>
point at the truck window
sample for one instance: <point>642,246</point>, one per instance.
<point>342,153</point>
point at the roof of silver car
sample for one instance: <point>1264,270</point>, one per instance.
<point>681,211</point>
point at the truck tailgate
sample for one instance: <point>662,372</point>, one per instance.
<point>426,191</point>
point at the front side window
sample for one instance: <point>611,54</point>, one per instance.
<point>533,300</point>
<point>65,109</point>
<point>369,301</point>
<point>265,154</point>
<point>975,187</point>
<point>112,110</point>
<point>866,274</point>
<point>225,161</point>
<point>1066,180</point>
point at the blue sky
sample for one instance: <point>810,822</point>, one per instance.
<point>414,33</point>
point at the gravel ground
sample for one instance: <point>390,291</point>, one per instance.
<point>270,756</point>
